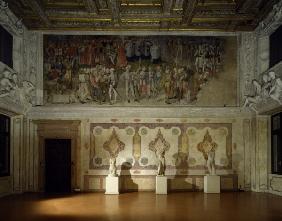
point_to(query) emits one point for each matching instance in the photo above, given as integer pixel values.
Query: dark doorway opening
(58, 165)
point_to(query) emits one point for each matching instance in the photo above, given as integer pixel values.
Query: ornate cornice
(272, 21)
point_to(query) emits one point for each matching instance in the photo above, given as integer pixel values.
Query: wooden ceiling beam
(91, 6)
(114, 5)
(167, 6)
(245, 6)
(222, 18)
(37, 7)
(189, 9)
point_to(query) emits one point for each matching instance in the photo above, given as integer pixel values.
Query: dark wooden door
(58, 165)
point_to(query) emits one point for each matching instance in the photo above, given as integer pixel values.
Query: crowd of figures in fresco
(119, 69)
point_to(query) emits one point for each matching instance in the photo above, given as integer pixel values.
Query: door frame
(59, 129)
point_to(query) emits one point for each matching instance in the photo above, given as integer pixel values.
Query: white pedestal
(112, 185)
(161, 185)
(212, 184)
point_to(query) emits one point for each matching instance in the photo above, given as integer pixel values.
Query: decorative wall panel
(140, 141)
(140, 71)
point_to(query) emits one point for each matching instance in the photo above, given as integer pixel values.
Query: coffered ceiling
(213, 15)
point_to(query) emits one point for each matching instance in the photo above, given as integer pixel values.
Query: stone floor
(142, 206)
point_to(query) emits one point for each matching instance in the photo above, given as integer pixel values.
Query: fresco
(135, 145)
(130, 70)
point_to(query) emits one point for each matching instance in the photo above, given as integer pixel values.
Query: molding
(62, 130)
(275, 184)
(142, 33)
(88, 111)
(10, 107)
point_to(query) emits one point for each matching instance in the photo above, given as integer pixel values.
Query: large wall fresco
(140, 71)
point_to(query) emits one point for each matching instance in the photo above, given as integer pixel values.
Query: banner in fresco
(139, 70)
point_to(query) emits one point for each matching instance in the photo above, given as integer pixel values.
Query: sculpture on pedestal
(211, 162)
(113, 167)
(161, 165)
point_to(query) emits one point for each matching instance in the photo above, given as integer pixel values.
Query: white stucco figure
(211, 162)
(161, 163)
(20, 93)
(255, 98)
(8, 83)
(25, 94)
(265, 87)
(113, 167)
(275, 91)
(3, 5)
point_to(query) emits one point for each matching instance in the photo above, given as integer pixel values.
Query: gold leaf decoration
(207, 145)
(114, 145)
(159, 144)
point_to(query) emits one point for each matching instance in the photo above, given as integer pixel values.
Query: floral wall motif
(137, 71)
(113, 145)
(180, 141)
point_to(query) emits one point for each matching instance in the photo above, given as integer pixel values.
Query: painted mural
(128, 70)
(135, 144)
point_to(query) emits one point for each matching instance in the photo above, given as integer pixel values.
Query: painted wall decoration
(140, 70)
(181, 142)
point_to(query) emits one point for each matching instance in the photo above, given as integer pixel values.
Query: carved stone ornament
(207, 145)
(272, 21)
(114, 145)
(9, 20)
(3, 5)
(159, 144)
(270, 88)
(13, 90)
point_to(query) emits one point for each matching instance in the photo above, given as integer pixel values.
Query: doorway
(57, 165)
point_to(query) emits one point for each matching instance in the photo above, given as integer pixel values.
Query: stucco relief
(264, 91)
(14, 88)
(247, 62)
(9, 20)
(272, 21)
